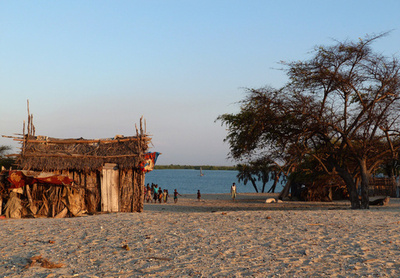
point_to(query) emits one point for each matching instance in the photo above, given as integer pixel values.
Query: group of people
(157, 194)
(233, 193)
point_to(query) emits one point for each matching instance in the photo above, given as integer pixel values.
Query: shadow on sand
(246, 202)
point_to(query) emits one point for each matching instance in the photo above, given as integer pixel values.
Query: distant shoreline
(194, 167)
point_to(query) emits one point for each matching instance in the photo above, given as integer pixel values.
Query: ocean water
(189, 181)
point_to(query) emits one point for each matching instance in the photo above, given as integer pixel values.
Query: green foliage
(247, 173)
(5, 162)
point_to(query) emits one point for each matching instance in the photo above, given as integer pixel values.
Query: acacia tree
(341, 108)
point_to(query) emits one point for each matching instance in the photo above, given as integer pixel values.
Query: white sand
(211, 238)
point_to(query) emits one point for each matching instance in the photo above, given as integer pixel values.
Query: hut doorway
(109, 188)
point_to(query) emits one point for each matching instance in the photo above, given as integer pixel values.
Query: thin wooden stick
(159, 258)
(141, 126)
(24, 139)
(29, 117)
(32, 127)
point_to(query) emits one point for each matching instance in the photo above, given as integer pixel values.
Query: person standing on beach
(160, 195)
(198, 195)
(176, 196)
(165, 195)
(148, 193)
(233, 191)
(155, 192)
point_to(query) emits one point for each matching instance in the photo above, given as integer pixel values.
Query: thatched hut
(97, 174)
(383, 186)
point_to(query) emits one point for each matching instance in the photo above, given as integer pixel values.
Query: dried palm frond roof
(42, 153)
(48, 154)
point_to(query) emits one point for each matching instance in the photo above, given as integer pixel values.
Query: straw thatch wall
(50, 154)
(82, 161)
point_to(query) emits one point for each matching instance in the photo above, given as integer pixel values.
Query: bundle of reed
(13, 207)
(53, 200)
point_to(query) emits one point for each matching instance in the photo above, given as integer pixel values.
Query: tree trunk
(254, 184)
(351, 187)
(364, 184)
(272, 189)
(285, 192)
(263, 187)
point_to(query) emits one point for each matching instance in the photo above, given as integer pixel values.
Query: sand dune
(211, 238)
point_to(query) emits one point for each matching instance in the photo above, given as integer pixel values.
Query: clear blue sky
(92, 68)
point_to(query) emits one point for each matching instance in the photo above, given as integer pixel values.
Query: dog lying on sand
(273, 200)
(380, 202)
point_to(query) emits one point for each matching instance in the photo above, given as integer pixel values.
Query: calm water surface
(189, 181)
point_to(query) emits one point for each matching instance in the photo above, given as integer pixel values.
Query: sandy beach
(211, 238)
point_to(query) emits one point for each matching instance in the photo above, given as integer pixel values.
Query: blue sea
(212, 182)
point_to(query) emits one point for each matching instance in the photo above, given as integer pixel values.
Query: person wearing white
(233, 191)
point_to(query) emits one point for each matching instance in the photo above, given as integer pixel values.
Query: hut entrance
(109, 188)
